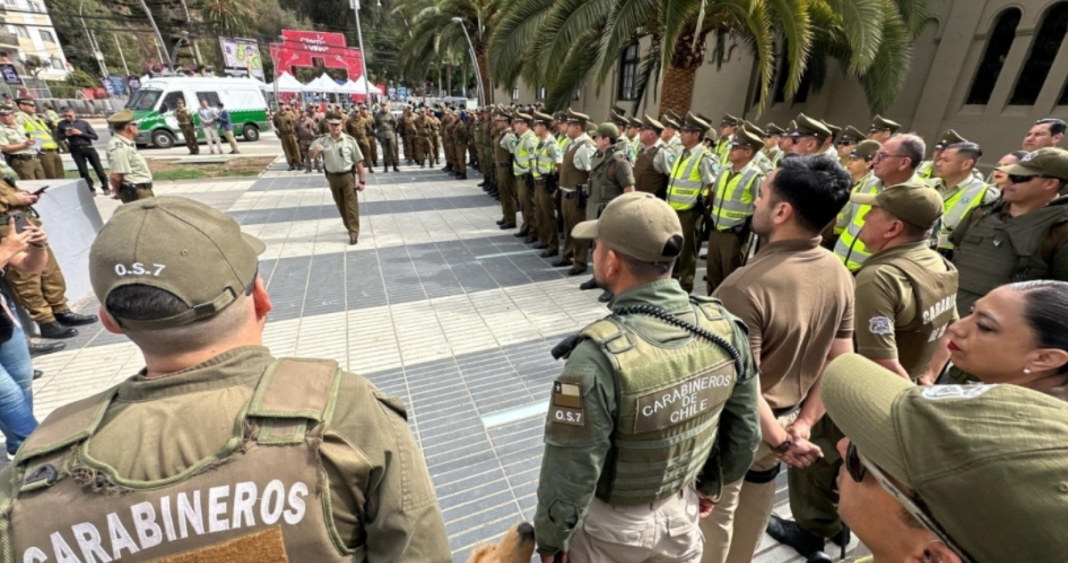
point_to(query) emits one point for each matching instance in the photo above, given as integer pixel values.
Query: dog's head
(516, 547)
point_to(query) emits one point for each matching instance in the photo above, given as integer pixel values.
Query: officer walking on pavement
(220, 448)
(640, 438)
(130, 177)
(343, 162)
(189, 131)
(18, 148)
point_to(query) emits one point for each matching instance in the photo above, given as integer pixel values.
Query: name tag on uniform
(566, 407)
(687, 399)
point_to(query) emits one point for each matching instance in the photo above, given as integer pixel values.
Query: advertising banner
(241, 57)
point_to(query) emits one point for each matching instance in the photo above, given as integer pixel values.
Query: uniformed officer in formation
(52, 119)
(130, 176)
(435, 138)
(772, 137)
(504, 142)
(18, 147)
(343, 164)
(421, 129)
(262, 455)
(847, 142)
(385, 127)
(187, 126)
(574, 185)
(730, 207)
(307, 132)
(654, 160)
(618, 456)
(882, 129)
(526, 143)
(285, 122)
(961, 187)
(692, 176)
(543, 170)
(808, 136)
(38, 130)
(356, 127)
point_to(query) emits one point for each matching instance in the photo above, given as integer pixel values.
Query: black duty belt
(539, 181)
(49, 150)
(328, 173)
(786, 411)
(571, 194)
(143, 186)
(23, 156)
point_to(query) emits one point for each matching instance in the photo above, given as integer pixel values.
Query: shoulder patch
(881, 325)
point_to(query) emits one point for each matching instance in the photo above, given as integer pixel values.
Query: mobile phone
(20, 221)
(41, 190)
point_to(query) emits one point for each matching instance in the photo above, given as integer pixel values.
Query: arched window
(998, 44)
(1043, 51)
(627, 89)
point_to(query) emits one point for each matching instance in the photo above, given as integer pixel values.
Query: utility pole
(99, 53)
(355, 5)
(159, 38)
(193, 42)
(92, 44)
(122, 56)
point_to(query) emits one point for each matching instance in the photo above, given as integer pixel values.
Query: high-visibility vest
(544, 164)
(847, 211)
(970, 194)
(849, 249)
(524, 153)
(686, 184)
(36, 129)
(733, 202)
(723, 151)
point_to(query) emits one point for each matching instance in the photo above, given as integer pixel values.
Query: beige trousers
(734, 529)
(661, 532)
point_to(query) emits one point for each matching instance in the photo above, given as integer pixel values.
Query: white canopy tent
(286, 83)
(371, 88)
(323, 84)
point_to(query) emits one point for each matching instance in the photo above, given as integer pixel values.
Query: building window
(998, 44)
(1043, 51)
(628, 74)
(36, 6)
(57, 64)
(578, 93)
(540, 93)
(19, 30)
(515, 92)
(47, 36)
(1063, 100)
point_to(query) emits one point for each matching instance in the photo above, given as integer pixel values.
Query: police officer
(772, 136)
(184, 116)
(288, 459)
(730, 207)
(286, 124)
(859, 166)
(130, 177)
(809, 136)
(307, 132)
(670, 135)
(926, 169)
(38, 130)
(343, 162)
(522, 162)
(421, 129)
(435, 137)
(543, 170)
(727, 126)
(846, 142)
(654, 160)
(692, 176)
(18, 147)
(574, 183)
(882, 129)
(355, 127)
(961, 187)
(504, 141)
(620, 456)
(385, 126)
(51, 117)
(611, 176)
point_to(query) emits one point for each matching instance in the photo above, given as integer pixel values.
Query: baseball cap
(1050, 161)
(913, 203)
(636, 224)
(606, 130)
(989, 462)
(179, 245)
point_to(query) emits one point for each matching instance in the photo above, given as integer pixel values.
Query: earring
(1027, 371)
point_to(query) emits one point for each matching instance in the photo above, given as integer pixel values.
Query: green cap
(1050, 161)
(334, 118)
(694, 123)
(619, 110)
(7, 109)
(636, 224)
(634, 122)
(24, 100)
(703, 117)
(989, 462)
(501, 115)
(591, 128)
(576, 117)
(913, 203)
(120, 118)
(772, 129)
(866, 149)
(879, 123)
(617, 117)
(672, 116)
(178, 245)
(560, 116)
(729, 119)
(606, 130)
(853, 134)
(808, 126)
(650, 123)
(752, 128)
(746, 138)
(834, 129)
(950, 137)
(542, 118)
(670, 123)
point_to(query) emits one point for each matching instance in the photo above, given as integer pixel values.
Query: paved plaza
(435, 305)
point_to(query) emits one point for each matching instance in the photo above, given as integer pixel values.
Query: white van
(153, 106)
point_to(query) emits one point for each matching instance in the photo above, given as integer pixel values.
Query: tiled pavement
(435, 305)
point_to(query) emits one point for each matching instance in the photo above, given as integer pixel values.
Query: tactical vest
(969, 196)
(263, 497)
(849, 248)
(686, 184)
(994, 251)
(544, 165)
(570, 176)
(603, 185)
(36, 129)
(524, 154)
(734, 197)
(500, 153)
(646, 177)
(669, 402)
(936, 299)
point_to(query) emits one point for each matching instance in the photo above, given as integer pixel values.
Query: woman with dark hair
(999, 179)
(1017, 334)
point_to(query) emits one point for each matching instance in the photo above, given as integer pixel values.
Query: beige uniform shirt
(125, 160)
(14, 135)
(340, 155)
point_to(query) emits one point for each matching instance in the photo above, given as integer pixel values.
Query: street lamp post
(474, 60)
(159, 37)
(355, 5)
(92, 44)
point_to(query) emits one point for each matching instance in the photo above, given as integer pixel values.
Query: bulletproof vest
(263, 497)
(669, 401)
(995, 251)
(936, 299)
(646, 177)
(569, 175)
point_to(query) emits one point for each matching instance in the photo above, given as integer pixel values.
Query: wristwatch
(784, 446)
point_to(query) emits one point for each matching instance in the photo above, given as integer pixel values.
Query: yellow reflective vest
(685, 185)
(734, 195)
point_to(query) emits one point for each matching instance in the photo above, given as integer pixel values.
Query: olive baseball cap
(989, 462)
(636, 224)
(1050, 162)
(606, 130)
(179, 245)
(913, 203)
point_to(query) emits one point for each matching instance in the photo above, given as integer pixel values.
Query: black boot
(605, 297)
(56, 330)
(463, 175)
(42, 348)
(790, 533)
(372, 169)
(74, 319)
(588, 284)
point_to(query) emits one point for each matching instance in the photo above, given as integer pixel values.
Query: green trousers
(813, 492)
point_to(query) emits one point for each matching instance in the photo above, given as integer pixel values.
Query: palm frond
(861, 23)
(511, 42)
(648, 72)
(561, 28)
(793, 22)
(627, 24)
(574, 69)
(887, 74)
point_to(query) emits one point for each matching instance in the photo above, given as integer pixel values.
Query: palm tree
(434, 36)
(563, 42)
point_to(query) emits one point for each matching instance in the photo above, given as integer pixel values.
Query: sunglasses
(794, 139)
(858, 467)
(845, 142)
(1018, 179)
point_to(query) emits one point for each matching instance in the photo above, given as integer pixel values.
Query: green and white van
(153, 106)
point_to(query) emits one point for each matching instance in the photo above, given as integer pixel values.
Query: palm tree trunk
(677, 92)
(448, 79)
(483, 70)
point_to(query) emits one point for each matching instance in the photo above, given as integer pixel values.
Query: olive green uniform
(42, 295)
(461, 136)
(52, 119)
(631, 431)
(236, 479)
(189, 130)
(435, 139)
(38, 130)
(506, 181)
(124, 159)
(286, 125)
(546, 158)
(372, 147)
(407, 133)
(422, 140)
(26, 162)
(611, 172)
(356, 127)
(705, 169)
(574, 182)
(385, 126)
(339, 159)
(522, 161)
(307, 131)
